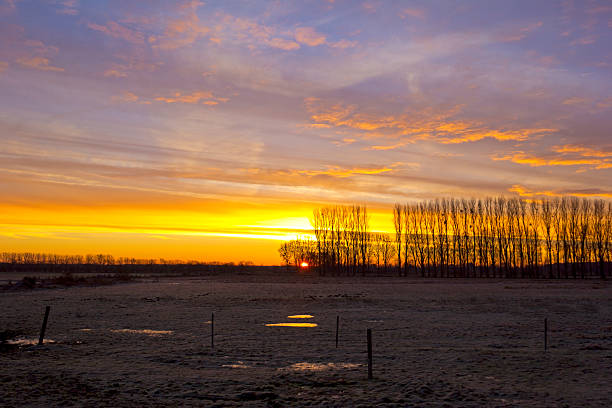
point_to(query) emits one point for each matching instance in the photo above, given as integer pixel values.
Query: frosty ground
(436, 343)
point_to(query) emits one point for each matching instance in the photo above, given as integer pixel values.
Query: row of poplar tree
(491, 237)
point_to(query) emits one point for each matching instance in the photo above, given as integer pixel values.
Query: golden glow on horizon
(224, 233)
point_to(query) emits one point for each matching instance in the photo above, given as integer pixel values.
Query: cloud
(589, 39)
(283, 44)
(126, 97)
(586, 157)
(527, 192)
(3, 66)
(182, 31)
(412, 12)
(203, 97)
(583, 151)
(438, 126)
(309, 36)
(114, 73)
(115, 30)
(389, 147)
(342, 44)
(521, 33)
(253, 34)
(40, 63)
(312, 38)
(130, 64)
(68, 7)
(575, 101)
(341, 172)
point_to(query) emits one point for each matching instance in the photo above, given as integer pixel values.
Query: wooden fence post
(337, 328)
(44, 325)
(369, 354)
(545, 334)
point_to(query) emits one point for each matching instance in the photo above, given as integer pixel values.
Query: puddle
(144, 331)
(237, 364)
(86, 330)
(300, 316)
(292, 325)
(28, 341)
(305, 366)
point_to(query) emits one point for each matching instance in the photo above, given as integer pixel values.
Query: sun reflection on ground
(292, 324)
(304, 316)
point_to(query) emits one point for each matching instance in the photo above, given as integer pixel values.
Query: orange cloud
(3, 66)
(203, 97)
(472, 134)
(40, 63)
(115, 30)
(182, 31)
(526, 192)
(424, 125)
(582, 151)
(389, 147)
(341, 172)
(283, 44)
(309, 36)
(535, 161)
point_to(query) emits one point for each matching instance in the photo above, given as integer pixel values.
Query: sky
(210, 130)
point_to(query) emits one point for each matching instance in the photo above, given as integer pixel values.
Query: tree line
(105, 263)
(565, 237)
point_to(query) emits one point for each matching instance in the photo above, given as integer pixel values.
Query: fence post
(337, 328)
(44, 325)
(369, 354)
(545, 334)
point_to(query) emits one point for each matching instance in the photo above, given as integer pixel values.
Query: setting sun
(304, 264)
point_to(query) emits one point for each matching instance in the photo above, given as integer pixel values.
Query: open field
(436, 342)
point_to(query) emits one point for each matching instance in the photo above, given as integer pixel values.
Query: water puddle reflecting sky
(144, 331)
(297, 316)
(28, 341)
(305, 366)
(237, 364)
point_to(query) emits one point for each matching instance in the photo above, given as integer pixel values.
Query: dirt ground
(452, 343)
